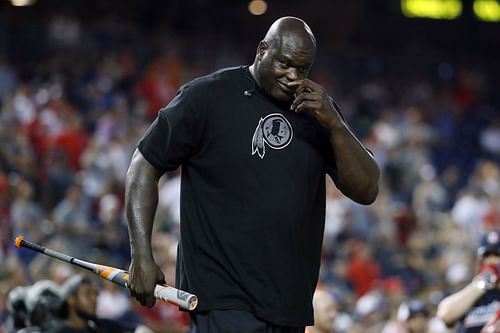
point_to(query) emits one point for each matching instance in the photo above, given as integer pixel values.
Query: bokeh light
(22, 3)
(257, 7)
(487, 10)
(432, 9)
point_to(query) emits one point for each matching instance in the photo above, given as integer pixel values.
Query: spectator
(16, 308)
(474, 305)
(113, 75)
(412, 317)
(325, 312)
(78, 310)
(72, 219)
(43, 300)
(362, 270)
(370, 314)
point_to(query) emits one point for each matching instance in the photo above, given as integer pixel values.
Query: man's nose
(293, 74)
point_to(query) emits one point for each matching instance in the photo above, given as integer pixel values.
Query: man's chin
(85, 315)
(281, 96)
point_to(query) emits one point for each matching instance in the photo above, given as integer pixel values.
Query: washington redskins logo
(274, 130)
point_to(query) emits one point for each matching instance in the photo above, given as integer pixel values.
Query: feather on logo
(273, 130)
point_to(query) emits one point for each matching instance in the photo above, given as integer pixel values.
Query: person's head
(43, 302)
(286, 54)
(414, 316)
(80, 297)
(370, 308)
(488, 253)
(16, 306)
(489, 246)
(325, 311)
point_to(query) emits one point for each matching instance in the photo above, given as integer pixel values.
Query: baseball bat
(165, 293)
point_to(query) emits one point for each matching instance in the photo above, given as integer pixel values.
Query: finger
(294, 84)
(308, 105)
(161, 278)
(307, 83)
(303, 97)
(131, 290)
(146, 299)
(304, 88)
(308, 86)
(130, 285)
(149, 301)
(301, 89)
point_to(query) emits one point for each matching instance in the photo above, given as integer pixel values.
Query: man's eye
(284, 64)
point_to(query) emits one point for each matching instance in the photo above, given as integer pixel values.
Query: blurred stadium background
(418, 81)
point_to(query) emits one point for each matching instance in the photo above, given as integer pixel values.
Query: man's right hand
(145, 274)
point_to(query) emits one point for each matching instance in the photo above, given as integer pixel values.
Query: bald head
(286, 54)
(290, 29)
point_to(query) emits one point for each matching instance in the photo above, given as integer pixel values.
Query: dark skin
(283, 61)
(281, 66)
(84, 300)
(141, 201)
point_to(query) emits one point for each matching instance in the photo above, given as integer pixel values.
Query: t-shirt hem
(265, 315)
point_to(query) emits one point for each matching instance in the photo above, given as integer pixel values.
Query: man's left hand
(313, 98)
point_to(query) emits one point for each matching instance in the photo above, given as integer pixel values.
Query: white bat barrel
(183, 299)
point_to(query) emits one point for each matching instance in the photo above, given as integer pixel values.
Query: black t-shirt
(252, 195)
(483, 310)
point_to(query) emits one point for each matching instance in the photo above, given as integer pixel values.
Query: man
(42, 302)
(478, 302)
(78, 310)
(252, 206)
(16, 308)
(415, 316)
(412, 317)
(325, 312)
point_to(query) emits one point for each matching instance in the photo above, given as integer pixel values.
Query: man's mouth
(285, 88)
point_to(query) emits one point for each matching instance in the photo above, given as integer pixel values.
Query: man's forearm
(453, 307)
(357, 173)
(141, 200)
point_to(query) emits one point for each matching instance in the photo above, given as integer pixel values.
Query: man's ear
(261, 49)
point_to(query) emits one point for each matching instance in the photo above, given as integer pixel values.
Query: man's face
(493, 260)
(284, 61)
(417, 324)
(325, 312)
(85, 299)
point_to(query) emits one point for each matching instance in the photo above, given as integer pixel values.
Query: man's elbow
(368, 187)
(445, 316)
(368, 197)
(364, 194)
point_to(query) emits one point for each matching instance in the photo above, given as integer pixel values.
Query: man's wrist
(336, 124)
(486, 280)
(142, 253)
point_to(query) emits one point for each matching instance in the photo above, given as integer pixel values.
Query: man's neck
(251, 69)
(74, 320)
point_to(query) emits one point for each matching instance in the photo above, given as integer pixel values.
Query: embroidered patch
(273, 130)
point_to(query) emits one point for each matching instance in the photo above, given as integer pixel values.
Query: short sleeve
(174, 135)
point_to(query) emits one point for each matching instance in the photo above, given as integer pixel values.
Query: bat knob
(18, 241)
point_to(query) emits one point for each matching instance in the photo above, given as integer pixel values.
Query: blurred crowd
(70, 120)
